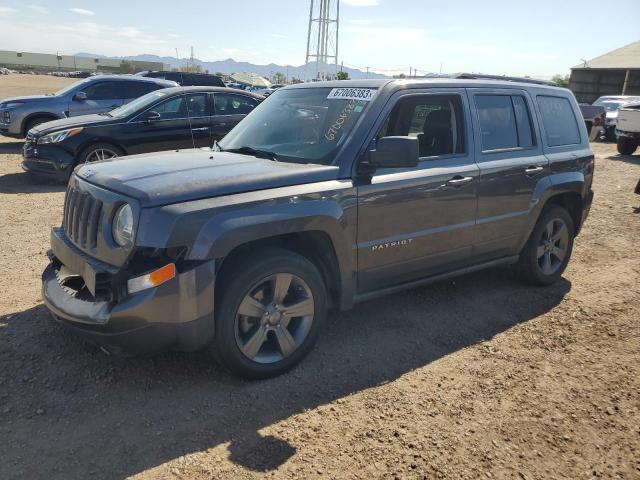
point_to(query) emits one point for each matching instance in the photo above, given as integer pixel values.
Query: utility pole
(367, 72)
(192, 62)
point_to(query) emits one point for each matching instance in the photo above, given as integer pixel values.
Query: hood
(72, 122)
(26, 99)
(180, 176)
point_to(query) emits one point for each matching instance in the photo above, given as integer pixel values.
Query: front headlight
(58, 136)
(122, 226)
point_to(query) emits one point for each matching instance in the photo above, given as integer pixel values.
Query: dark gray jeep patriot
(327, 194)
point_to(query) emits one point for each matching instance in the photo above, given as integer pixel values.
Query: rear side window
(505, 122)
(559, 121)
(137, 89)
(232, 104)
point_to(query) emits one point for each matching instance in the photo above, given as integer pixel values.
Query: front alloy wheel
(270, 305)
(274, 318)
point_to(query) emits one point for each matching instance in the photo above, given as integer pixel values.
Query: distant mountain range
(230, 66)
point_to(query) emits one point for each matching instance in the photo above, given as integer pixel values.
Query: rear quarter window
(560, 124)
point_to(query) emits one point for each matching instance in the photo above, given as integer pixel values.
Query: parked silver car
(100, 94)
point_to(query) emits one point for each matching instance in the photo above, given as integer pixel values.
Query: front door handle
(458, 181)
(532, 170)
(201, 129)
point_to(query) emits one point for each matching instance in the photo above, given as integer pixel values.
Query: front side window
(102, 91)
(435, 120)
(559, 121)
(137, 105)
(302, 125)
(230, 104)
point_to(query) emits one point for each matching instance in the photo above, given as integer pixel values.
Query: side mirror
(80, 97)
(151, 117)
(395, 152)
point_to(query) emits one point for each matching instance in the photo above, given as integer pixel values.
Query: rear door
(418, 222)
(183, 123)
(102, 96)
(509, 154)
(229, 109)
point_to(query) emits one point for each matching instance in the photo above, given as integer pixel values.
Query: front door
(418, 222)
(183, 121)
(511, 162)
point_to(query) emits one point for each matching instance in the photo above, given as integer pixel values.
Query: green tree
(560, 80)
(342, 75)
(279, 77)
(219, 74)
(127, 67)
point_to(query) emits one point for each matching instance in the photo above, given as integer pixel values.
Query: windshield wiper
(106, 114)
(253, 151)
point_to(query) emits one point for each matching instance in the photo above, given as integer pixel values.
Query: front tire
(269, 313)
(548, 250)
(626, 145)
(99, 151)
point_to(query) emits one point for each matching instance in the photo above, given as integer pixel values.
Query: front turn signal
(153, 279)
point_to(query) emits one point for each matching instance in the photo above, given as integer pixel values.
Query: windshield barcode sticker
(364, 94)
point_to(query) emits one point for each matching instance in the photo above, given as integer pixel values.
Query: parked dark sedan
(167, 119)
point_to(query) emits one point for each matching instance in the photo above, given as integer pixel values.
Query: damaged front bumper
(90, 298)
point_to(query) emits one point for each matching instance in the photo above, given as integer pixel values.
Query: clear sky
(538, 38)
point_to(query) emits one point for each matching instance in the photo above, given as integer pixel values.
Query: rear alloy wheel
(553, 246)
(548, 250)
(268, 315)
(626, 145)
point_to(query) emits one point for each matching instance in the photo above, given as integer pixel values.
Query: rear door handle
(533, 170)
(458, 181)
(201, 129)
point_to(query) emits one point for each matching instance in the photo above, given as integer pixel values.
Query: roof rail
(480, 76)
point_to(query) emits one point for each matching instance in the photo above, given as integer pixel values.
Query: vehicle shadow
(11, 147)
(633, 159)
(25, 183)
(69, 411)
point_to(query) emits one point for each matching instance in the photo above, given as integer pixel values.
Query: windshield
(69, 88)
(137, 104)
(305, 125)
(611, 105)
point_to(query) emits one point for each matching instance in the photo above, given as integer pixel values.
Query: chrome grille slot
(81, 218)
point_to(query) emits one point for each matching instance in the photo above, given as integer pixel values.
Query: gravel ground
(481, 377)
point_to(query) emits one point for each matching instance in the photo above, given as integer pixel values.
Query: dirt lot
(481, 377)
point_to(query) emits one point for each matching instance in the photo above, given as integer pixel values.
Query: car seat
(437, 136)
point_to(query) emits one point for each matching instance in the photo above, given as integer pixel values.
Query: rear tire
(548, 250)
(626, 145)
(259, 332)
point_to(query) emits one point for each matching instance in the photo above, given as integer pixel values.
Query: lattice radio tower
(322, 40)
